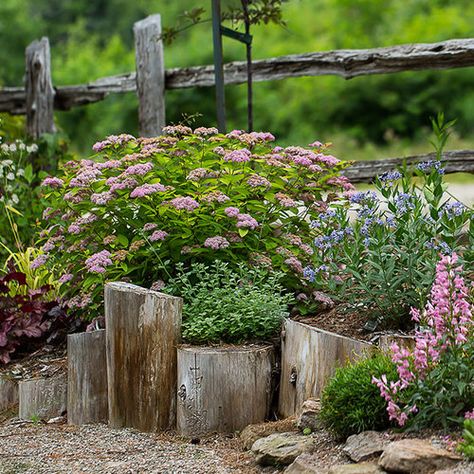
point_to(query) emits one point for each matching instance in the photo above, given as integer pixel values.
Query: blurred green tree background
(365, 117)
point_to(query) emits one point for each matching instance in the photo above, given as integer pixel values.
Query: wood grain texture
(309, 358)
(150, 76)
(223, 389)
(87, 378)
(8, 392)
(456, 161)
(42, 398)
(39, 89)
(143, 329)
(345, 63)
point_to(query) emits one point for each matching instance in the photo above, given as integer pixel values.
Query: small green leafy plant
(226, 305)
(350, 401)
(466, 447)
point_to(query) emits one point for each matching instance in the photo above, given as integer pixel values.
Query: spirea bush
(350, 401)
(434, 383)
(225, 305)
(378, 250)
(184, 197)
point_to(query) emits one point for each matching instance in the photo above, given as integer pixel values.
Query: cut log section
(87, 378)
(8, 393)
(223, 389)
(143, 329)
(309, 358)
(42, 398)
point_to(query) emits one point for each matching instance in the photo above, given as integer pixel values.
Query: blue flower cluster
(452, 209)
(323, 217)
(363, 197)
(404, 202)
(310, 273)
(325, 242)
(428, 166)
(389, 177)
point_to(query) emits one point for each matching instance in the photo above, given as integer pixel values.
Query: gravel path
(60, 448)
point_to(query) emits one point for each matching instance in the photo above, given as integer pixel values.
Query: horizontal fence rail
(346, 63)
(458, 161)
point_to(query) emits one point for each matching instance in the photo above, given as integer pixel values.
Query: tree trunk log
(143, 329)
(150, 75)
(223, 389)
(39, 89)
(43, 398)
(8, 393)
(309, 358)
(87, 378)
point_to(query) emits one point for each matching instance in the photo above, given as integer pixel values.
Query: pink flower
(86, 176)
(74, 229)
(39, 261)
(285, 200)
(158, 235)
(65, 278)
(294, 264)
(109, 164)
(117, 185)
(177, 130)
(237, 156)
(205, 132)
(232, 211)
(215, 196)
(102, 198)
(216, 243)
(147, 189)
(246, 221)
(185, 203)
(97, 262)
(52, 182)
(149, 226)
(140, 169)
(256, 180)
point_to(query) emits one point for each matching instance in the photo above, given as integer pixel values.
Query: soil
(46, 362)
(345, 323)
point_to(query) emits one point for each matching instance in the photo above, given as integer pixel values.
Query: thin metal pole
(218, 64)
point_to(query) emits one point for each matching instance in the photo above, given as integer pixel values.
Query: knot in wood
(182, 392)
(293, 376)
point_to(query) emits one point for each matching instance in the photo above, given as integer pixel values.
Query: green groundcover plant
(226, 305)
(434, 383)
(466, 447)
(186, 196)
(350, 401)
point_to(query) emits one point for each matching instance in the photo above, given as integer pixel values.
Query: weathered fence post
(39, 89)
(143, 329)
(87, 378)
(150, 75)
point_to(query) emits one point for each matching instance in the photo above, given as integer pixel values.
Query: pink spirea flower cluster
(39, 261)
(52, 182)
(237, 156)
(65, 278)
(149, 226)
(98, 262)
(216, 243)
(112, 140)
(246, 221)
(139, 169)
(232, 211)
(185, 203)
(147, 189)
(215, 196)
(102, 198)
(83, 179)
(256, 180)
(444, 326)
(158, 235)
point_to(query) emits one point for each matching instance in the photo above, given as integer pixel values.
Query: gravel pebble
(38, 448)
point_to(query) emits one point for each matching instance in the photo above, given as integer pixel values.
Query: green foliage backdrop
(93, 39)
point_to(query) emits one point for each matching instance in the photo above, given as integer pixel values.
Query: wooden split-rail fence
(39, 97)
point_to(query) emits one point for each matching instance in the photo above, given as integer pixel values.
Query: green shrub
(225, 305)
(466, 447)
(351, 403)
(184, 197)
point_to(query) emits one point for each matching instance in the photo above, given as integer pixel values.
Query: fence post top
(154, 19)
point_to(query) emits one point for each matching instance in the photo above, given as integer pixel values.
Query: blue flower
(309, 273)
(389, 177)
(428, 166)
(404, 203)
(363, 197)
(452, 209)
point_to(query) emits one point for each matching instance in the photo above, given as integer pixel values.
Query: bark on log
(143, 329)
(150, 75)
(223, 389)
(8, 393)
(87, 378)
(345, 63)
(43, 398)
(39, 89)
(309, 358)
(457, 161)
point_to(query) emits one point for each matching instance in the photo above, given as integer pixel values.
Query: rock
(362, 446)
(362, 468)
(309, 417)
(281, 448)
(416, 456)
(57, 419)
(303, 464)
(251, 433)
